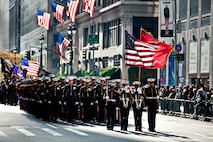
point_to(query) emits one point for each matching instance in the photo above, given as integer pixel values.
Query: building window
(55, 38)
(63, 67)
(183, 26)
(86, 34)
(206, 6)
(205, 21)
(193, 24)
(183, 9)
(105, 35)
(193, 8)
(116, 60)
(98, 2)
(55, 63)
(109, 2)
(111, 33)
(93, 29)
(119, 32)
(105, 62)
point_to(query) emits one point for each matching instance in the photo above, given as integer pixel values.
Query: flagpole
(139, 73)
(139, 68)
(124, 66)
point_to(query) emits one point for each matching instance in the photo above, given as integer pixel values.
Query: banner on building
(171, 69)
(193, 58)
(166, 18)
(205, 53)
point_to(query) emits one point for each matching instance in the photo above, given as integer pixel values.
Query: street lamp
(41, 40)
(70, 31)
(15, 52)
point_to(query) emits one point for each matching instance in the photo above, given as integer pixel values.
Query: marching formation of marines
(89, 100)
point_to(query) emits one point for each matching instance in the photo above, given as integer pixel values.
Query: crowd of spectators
(186, 92)
(201, 95)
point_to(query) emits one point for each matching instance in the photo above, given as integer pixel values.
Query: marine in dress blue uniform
(125, 104)
(86, 99)
(70, 95)
(101, 92)
(55, 97)
(111, 98)
(150, 92)
(138, 103)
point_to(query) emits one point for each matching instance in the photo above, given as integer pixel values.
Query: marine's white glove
(107, 97)
(139, 91)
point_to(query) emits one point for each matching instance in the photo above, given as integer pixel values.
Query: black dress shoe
(152, 130)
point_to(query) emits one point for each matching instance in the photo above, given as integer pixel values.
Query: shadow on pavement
(153, 134)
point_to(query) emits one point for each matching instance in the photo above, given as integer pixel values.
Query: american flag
(89, 6)
(43, 19)
(72, 9)
(62, 44)
(139, 53)
(32, 67)
(58, 12)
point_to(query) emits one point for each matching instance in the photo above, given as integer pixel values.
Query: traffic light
(27, 55)
(84, 54)
(33, 54)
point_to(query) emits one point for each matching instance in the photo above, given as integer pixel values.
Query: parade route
(18, 126)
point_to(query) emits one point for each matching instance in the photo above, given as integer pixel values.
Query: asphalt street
(18, 126)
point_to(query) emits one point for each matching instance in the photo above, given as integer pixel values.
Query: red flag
(163, 51)
(89, 6)
(162, 54)
(147, 37)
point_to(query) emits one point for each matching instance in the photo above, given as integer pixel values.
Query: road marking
(19, 127)
(76, 132)
(54, 133)
(25, 132)
(2, 134)
(203, 136)
(51, 126)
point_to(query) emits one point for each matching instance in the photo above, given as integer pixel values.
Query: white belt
(151, 97)
(112, 100)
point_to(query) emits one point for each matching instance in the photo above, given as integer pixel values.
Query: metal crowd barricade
(183, 108)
